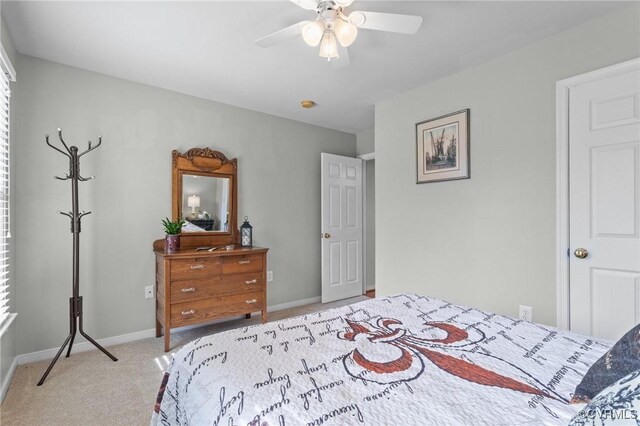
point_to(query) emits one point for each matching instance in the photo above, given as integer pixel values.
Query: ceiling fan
(335, 30)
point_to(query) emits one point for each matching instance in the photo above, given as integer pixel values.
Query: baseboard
(138, 335)
(294, 304)
(7, 380)
(86, 346)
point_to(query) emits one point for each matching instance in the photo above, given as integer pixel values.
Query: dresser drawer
(216, 307)
(243, 282)
(184, 290)
(195, 268)
(240, 264)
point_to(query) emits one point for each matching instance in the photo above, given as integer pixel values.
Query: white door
(341, 227)
(604, 197)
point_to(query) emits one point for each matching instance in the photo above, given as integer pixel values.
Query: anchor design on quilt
(387, 353)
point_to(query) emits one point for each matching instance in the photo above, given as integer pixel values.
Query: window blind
(5, 94)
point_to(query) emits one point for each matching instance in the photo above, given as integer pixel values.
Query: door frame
(562, 178)
(365, 157)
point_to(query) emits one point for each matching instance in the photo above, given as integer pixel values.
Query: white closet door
(604, 134)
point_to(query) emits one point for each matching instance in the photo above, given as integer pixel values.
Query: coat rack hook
(62, 140)
(91, 148)
(46, 138)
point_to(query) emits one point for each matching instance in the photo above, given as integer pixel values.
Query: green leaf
(172, 227)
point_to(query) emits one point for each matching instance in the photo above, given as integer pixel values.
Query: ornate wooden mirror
(205, 195)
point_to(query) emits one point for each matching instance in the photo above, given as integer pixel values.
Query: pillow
(618, 404)
(622, 359)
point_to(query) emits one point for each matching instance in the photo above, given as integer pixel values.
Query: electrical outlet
(148, 292)
(269, 276)
(526, 313)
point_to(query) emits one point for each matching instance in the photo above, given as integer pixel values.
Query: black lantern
(246, 233)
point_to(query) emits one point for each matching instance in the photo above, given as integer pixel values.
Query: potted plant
(172, 229)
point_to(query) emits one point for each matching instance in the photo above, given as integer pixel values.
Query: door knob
(327, 235)
(581, 253)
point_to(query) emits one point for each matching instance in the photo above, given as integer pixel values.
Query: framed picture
(442, 148)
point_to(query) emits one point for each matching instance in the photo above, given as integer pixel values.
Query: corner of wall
(7, 41)
(8, 355)
(365, 142)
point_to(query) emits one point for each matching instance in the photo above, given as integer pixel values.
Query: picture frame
(443, 148)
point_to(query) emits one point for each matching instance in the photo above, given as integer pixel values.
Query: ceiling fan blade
(282, 35)
(306, 4)
(343, 60)
(404, 24)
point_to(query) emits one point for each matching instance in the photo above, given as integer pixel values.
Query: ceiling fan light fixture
(357, 18)
(346, 32)
(328, 46)
(313, 32)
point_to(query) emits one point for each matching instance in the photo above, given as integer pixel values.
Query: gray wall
(8, 340)
(279, 189)
(365, 142)
(488, 242)
(370, 229)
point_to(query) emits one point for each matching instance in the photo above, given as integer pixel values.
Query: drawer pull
(251, 281)
(194, 267)
(191, 312)
(244, 262)
(249, 302)
(189, 290)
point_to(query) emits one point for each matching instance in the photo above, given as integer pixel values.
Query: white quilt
(400, 360)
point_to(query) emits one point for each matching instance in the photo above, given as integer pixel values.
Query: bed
(399, 360)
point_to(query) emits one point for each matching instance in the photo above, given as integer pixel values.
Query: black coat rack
(75, 302)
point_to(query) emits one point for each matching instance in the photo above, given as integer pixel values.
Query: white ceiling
(206, 48)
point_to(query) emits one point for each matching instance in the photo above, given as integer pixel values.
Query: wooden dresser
(194, 287)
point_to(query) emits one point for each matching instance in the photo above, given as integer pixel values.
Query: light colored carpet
(90, 389)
